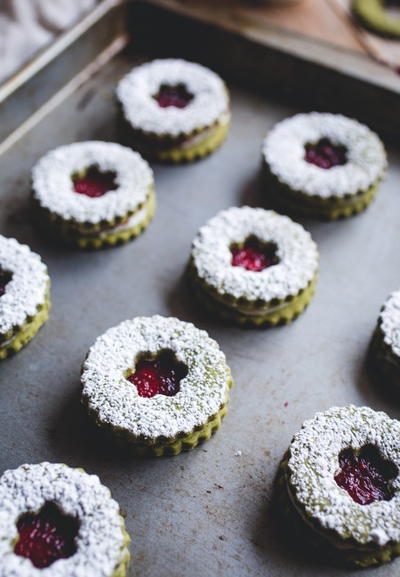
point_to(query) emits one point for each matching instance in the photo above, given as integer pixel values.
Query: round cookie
(253, 266)
(340, 485)
(93, 194)
(61, 522)
(24, 295)
(375, 15)
(322, 165)
(174, 110)
(385, 345)
(159, 383)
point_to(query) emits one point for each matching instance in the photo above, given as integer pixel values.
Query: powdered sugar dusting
(100, 541)
(284, 152)
(53, 186)
(28, 287)
(297, 252)
(390, 322)
(116, 401)
(136, 90)
(313, 463)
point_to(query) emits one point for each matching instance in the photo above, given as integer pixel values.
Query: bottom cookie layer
(297, 203)
(339, 552)
(123, 233)
(26, 332)
(164, 447)
(118, 235)
(187, 443)
(122, 567)
(203, 145)
(278, 316)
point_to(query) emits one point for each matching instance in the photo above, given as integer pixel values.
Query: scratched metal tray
(207, 512)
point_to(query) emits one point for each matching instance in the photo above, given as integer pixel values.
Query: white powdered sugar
(297, 253)
(27, 288)
(390, 322)
(284, 150)
(115, 400)
(137, 89)
(53, 186)
(100, 540)
(314, 462)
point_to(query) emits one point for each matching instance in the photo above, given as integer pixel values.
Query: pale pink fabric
(28, 25)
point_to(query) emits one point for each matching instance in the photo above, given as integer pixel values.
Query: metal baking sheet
(207, 512)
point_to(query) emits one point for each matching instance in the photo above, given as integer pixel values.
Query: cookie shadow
(20, 222)
(377, 390)
(74, 433)
(283, 543)
(182, 303)
(253, 192)
(277, 542)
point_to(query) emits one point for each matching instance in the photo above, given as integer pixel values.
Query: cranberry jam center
(365, 475)
(254, 255)
(325, 154)
(46, 536)
(5, 278)
(94, 183)
(158, 376)
(173, 95)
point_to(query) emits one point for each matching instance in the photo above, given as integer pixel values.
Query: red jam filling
(46, 536)
(325, 154)
(159, 376)
(365, 475)
(177, 96)
(94, 183)
(5, 278)
(254, 255)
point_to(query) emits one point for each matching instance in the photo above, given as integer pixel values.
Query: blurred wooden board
(328, 21)
(239, 39)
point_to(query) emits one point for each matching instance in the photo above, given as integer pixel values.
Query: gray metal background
(206, 512)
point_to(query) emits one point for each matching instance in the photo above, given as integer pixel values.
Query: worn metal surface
(206, 512)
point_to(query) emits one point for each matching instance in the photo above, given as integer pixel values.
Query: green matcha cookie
(159, 384)
(93, 194)
(173, 110)
(340, 487)
(324, 166)
(253, 267)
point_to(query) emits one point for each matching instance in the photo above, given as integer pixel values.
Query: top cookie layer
(297, 253)
(116, 401)
(53, 186)
(284, 152)
(136, 93)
